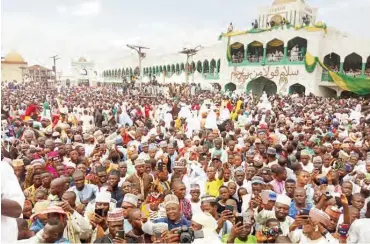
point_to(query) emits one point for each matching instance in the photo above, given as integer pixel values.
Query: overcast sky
(100, 29)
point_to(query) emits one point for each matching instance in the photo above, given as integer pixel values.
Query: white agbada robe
(211, 120)
(224, 115)
(193, 125)
(167, 120)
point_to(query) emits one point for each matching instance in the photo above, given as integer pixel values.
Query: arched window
(199, 67)
(218, 65)
(177, 69)
(275, 50)
(130, 71)
(182, 67)
(212, 66)
(156, 69)
(123, 72)
(165, 69)
(150, 70)
(352, 65)
(255, 52)
(206, 67)
(127, 71)
(367, 67)
(119, 73)
(160, 69)
(115, 73)
(237, 52)
(297, 48)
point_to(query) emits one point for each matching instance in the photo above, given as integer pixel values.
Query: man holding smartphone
(115, 225)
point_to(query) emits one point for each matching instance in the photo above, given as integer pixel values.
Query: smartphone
(230, 208)
(160, 166)
(304, 212)
(239, 219)
(99, 212)
(120, 234)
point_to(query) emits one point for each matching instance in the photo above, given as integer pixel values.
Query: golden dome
(14, 57)
(278, 2)
(82, 60)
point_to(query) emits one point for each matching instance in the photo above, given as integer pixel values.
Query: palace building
(286, 50)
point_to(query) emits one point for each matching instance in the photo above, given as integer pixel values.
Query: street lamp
(190, 52)
(142, 55)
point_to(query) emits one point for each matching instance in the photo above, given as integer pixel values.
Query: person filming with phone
(115, 228)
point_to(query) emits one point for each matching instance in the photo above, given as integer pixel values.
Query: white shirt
(358, 232)
(309, 167)
(10, 189)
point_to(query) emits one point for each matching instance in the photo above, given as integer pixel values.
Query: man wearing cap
(129, 202)
(141, 180)
(305, 161)
(115, 224)
(257, 183)
(280, 213)
(174, 218)
(271, 157)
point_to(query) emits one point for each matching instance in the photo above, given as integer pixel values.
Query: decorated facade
(287, 50)
(81, 72)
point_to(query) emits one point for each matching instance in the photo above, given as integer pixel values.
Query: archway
(332, 61)
(216, 86)
(297, 48)
(237, 52)
(173, 69)
(177, 69)
(199, 67)
(230, 87)
(213, 66)
(367, 67)
(352, 65)
(255, 52)
(277, 19)
(206, 67)
(192, 67)
(168, 69)
(275, 50)
(297, 88)
(137, 71)
(260, 85)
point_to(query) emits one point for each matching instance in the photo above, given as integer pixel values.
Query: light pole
(142, 55)
(55, 58)
(190, 52)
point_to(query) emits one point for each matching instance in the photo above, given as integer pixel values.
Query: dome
(278, 2)
(82, 60)
(14, 57)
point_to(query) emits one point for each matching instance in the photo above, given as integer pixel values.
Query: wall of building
(10, 72)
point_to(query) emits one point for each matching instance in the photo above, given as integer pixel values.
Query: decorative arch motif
(123, 72)
(168, 69)
(182, 67)
(218, 66)
(192, 67)
(127, 71)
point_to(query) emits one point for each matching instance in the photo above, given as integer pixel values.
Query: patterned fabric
(293, 211)
(185, 207)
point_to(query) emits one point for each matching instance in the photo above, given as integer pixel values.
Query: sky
(100, 29)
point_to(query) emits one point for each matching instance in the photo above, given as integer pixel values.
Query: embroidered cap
(131, 198)
(115, 215)
(171, 199)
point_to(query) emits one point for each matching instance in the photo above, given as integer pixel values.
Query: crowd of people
(94, 165)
